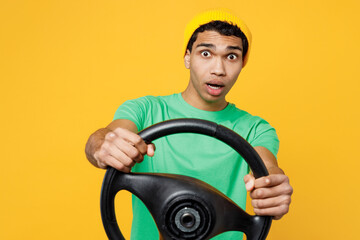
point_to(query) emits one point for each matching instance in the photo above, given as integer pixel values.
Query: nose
(218, 67)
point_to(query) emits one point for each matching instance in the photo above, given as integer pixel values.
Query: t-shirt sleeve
(133, 110)
(265, 136)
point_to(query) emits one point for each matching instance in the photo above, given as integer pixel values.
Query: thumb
(150, 150)
(249, 182)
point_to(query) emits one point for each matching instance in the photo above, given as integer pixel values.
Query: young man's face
(215, 63)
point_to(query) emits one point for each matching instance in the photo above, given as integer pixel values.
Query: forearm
(269, 160)
(275, 170)
(94, 143)
(271, 195)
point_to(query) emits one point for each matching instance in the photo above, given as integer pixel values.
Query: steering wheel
(184, 207)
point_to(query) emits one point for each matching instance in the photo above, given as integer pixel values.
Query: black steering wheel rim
(175, 126)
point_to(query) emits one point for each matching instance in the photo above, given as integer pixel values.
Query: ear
(187, 59)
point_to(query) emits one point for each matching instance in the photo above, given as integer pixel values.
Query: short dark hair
(223, 28)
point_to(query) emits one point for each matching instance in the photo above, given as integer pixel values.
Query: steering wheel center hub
(188, 218)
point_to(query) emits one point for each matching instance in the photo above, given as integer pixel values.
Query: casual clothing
(195, 155)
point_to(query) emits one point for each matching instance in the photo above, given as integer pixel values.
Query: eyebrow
(209, 45)
(234, 48)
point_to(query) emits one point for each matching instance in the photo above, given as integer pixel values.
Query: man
(217, 46)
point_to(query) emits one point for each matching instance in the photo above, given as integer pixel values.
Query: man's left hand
(271, 195)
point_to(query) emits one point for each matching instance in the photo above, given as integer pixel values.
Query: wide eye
(232, 56)
(205, 53)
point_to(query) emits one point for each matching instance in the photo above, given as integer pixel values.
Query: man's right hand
(121, 149)
(117, 146)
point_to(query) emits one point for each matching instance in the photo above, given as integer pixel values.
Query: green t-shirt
(195, 155)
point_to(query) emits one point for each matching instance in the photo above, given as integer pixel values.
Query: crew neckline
(193, 109)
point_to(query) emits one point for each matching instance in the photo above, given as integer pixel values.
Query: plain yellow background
(66, 65)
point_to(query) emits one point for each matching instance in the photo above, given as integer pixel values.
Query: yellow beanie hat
(217, 15)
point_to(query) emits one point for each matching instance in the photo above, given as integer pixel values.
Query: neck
(193, 98)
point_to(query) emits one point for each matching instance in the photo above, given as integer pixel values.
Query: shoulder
(243, 117)
(249, 126)
(153, 99)
(148, 103)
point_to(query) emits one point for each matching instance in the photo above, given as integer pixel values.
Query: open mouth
(214, 86)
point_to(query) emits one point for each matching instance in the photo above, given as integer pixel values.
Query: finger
(271, 180)
(277, 212)
(101, 155)
(113, 162)
(150, 150)
(124, 159)
(132, 138)
(110, 136)
(268, 192)
(271, 202)
(110, 149)
(129, 150)
(124, 146)
(249, 182)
